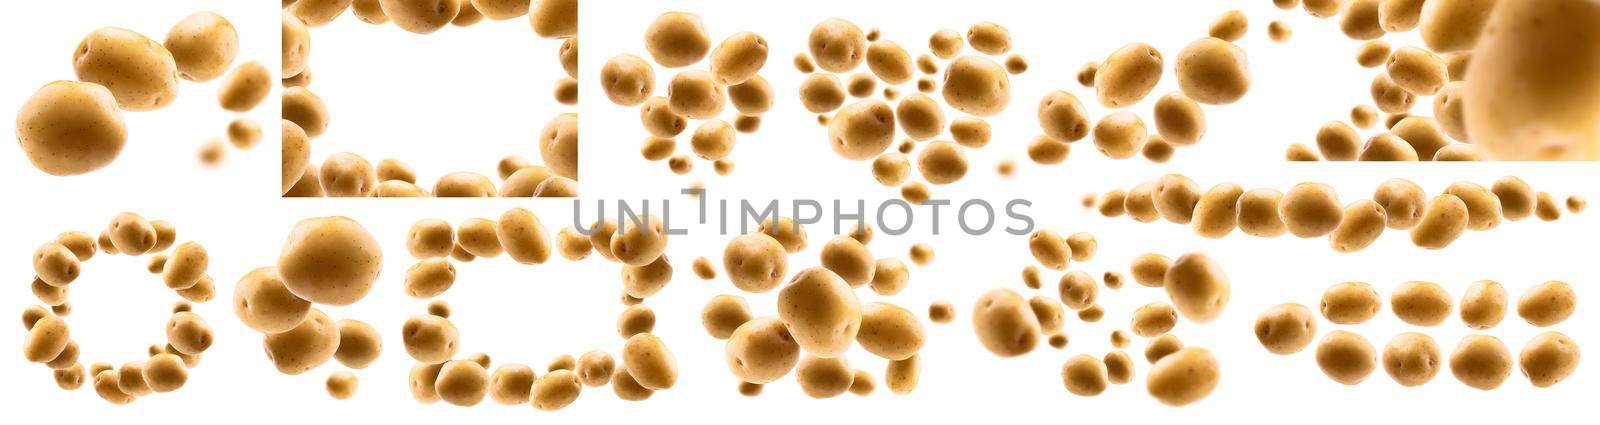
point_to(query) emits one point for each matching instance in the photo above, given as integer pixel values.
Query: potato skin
(1198, 287)
(1183, 377)
(1541, 61)
(203, 45)
(330, 260)
(69, 128)
(140, 73)
(821, 310)
(1005, 323)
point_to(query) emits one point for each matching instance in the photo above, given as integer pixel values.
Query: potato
(1154, 319)
(1286, 328)
(761, 350)
(131, 234)
(1481, 362)
(203, 45)
(1150, 269)
(70, 128)
(511, 384)
(738, 58)
(975, 133)
(55, 265)
(316, 13)
(1062, 117)
(1345, 357)
(555, 390)
(130, 379)
(1179, 120)
(1483, 207)
(643, 281)
(889, 62)
(849, 259)
(1350, 303)
(1338, 142)
(942, 162)
(1442, 222)
(1421, 303)
(1005, 324)
(1077, 290)
(821, 311)
(627, 80)
(1362, 223)
(309, 344)
(1084, 375)
(1050, 249)
(989, 38)
(430, 339)
(1549, 358)
(1049, 312)
(1127, 75)
(890, 331)
(1403, 203)
(1454, 25)
(1547, 304)
(724, 314)
(1543, 104)
(371, 12)
(755, 262)
(421, 16)
(941, 312)
(359, 343)
(296, 45)
(1483, 305)
(821, 93)
(1197, 286)
(752, 97)
(296, 154)
(188, 262)
(304, 108)
(946, 44)
(1175, 198)
(862, 130)
(422, 379)
(1417, 70)
(920, 117)
(47, 338)
(649, 362)
(1310, 210)
(977, 86)
(140, 73)
(342, 385)
(1389, 96)
(1230, 25)
(639, 240)
(635, 319)
(1216, 213)
(330, 260)
(837, 45)
(821, 377)
(462, 383)
(790, 234)
(264, 304)
(1183, 377)
(71, 378)
(1120, 135)
(47, 294)
(1213, 72)
(1258, 213)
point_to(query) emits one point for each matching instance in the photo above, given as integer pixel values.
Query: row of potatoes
(70, 128)
(346, 174)
(1413, 359)
(1532, 108)
(57, 264)
(678, 40)
(1310, 210)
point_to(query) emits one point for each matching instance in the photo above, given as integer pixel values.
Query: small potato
(263, 303)
(1549, 358)
(130, 379)
(304, 108)
(430, 238)
(971, 132)
(1412, 359)
(1213, 71)
(49, 295)
(1345, 357)
(1362, 223)
(203, 45)
(342, 385)
(106, 385)
(1127, 75)
(762, 350)
(1156, 319)
(296, 156)
(1483, 305)
(1547, 304)
(1047, 151)
(849, 259)
(890, 331)
(430, 339)
(1151, 269)
(1197, 286)
(1338, 142)
(1403, 203)
(187, 264)
(921, 254)
(1084, 375)
(946, 44)
(462, 383)
(821, 93)
(1350, 303)
(1050, 313)
(1310, 210)
(1179, 120)
(1423, 134)
(1321, 8)
(1077, 290)
(1083, 246)
(1389, 96)
(1216, 213)
(638, 241)
(713, 140)
(522, 236)
(244, 133)
(359, 344)
(920, 117)
(1286, 328)
(694, 94)
(1417, 71)
(1360, 19)
(308, 345)
(636, 319)
(1483, 207)
(1050, 249)
(555, 390)
(1421, 303)
(1258, 213)
(1005, 324)
(421, 16)
(330, 260)
(82, 245)
(371, 12)
(47, 338)
(1481, 362)
(422, 379)
(890, 62)
(862, 130)
(821, 377)
(1442, 222)
(511, 384)
(1183, 377)
(141, 74)
(558, 145)
(1175, 197)
(977, 86)
(55, 265)
(723, 315)
(1545, 207)
(69, 128)
(821, 311)
(755, 262)
(1138, 204)
(316, 13)
(752, 97)
(595, 368)
(164, 373)
(131, 234)
(989, 38)
(649, 362)
(1229, 26)
(1279, 31)
(837, 45)
(941, 312)
(1062, 117)
(738, 58)
(627, 80)
(71, 378)
(942, 162)
(790, 234)
(646, 280)
(862, 384)
(1087, 72)
(1120, 135)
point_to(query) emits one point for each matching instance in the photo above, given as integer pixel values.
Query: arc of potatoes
(348, 174)
(58, 264)
(1412, 359)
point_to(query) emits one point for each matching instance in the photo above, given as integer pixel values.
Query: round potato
(821, 311)
(1311, 209)
(70, 128)
(309, 344)
(1549, 358)
(1286, 328)
(1481, 362)
(330, 260)
(837, 45)
(1547, 304)
(1483, 305)
(1005, 323)
(977, 86)
(203, 46)
(1213, 71)
(1345, 357)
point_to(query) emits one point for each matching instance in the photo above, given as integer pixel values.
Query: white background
(530, 314)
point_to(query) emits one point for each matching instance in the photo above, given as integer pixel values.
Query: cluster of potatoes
(973, 84)
(679, 40)
(819, 317)
(59, 263)
(1210, 71)
(326, 260)
(69, 128)
(345, 174)
(432, 340)
(1310, 210)
(1537, 103)
(1196, 286)
(1411, 358)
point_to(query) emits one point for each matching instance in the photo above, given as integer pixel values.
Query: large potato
(140, 73)
(69, 128)
(330, 260)
(1534, 89)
